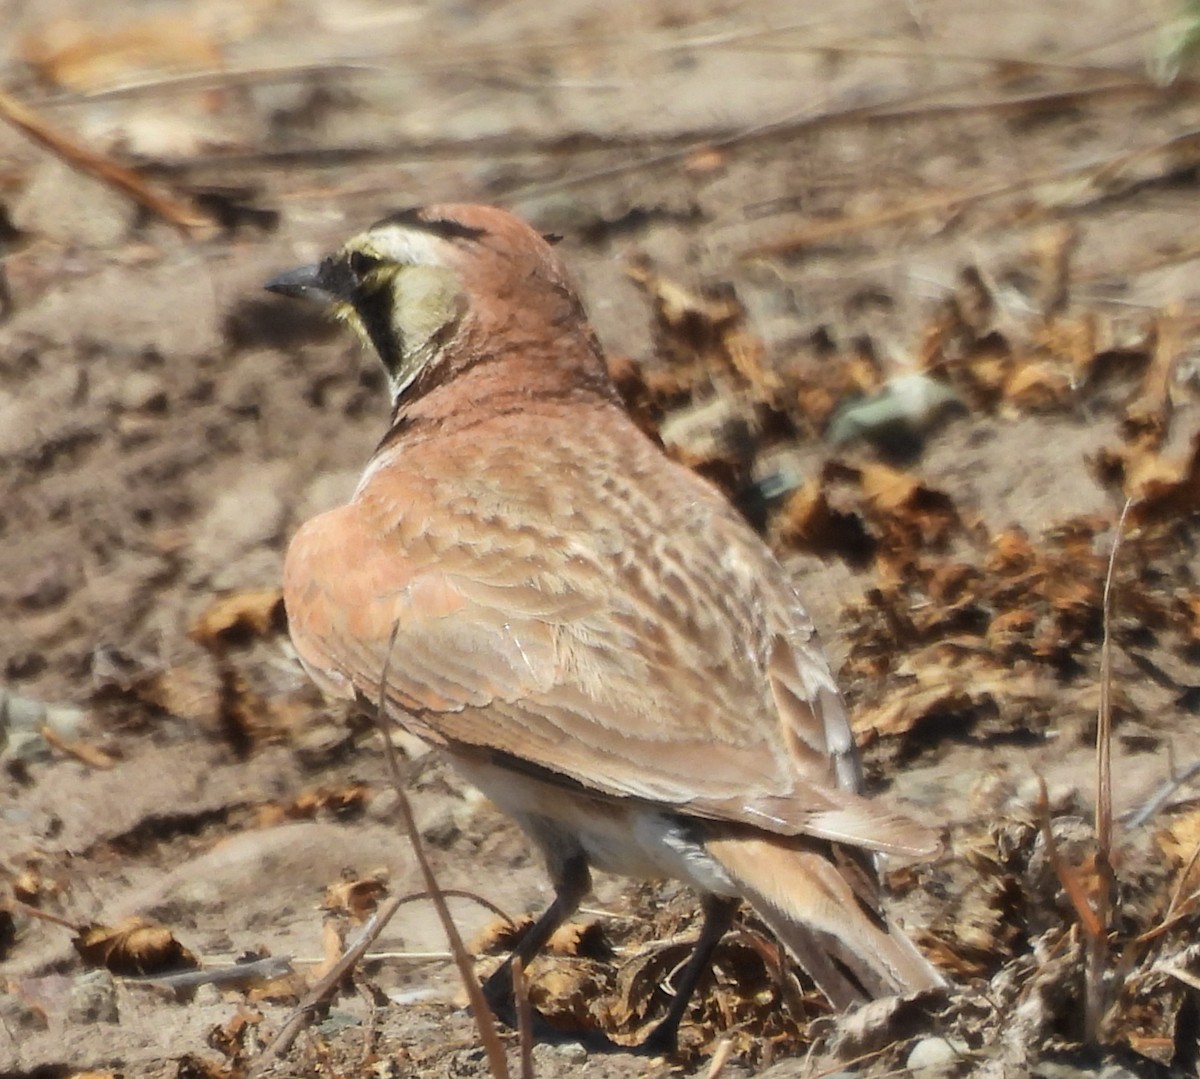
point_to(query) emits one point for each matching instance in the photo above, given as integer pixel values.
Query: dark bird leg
(572, 882)
(718, 916)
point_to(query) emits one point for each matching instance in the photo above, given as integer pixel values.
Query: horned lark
(589, 631)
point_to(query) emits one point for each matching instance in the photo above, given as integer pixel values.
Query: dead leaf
(1180, 838)
(1148, 415)
(939, 688)
(27, 885)
(185, 691)
(239, 617)
(333, 943)
(748, 356)
(1053, 248)
(134, 946)
(808, 522)
(250, 719)
(1163, 488)
(637, 983)
(568, 993)
(890, 492)
(287, 989)
(501, 936)
(1012, 553)
(31, 885)
(357, 896)
(580, 939)
(342, 803)
(231, 1038)
(1010, 629)
(681, 308)
(953, 583)
(1037, 386)
(1074, 342)
(193, 1066)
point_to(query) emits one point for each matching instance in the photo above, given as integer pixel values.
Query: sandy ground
(165, 425)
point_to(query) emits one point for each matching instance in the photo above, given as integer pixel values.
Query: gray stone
(93, 998)
(934, 1055)
(551, 1056)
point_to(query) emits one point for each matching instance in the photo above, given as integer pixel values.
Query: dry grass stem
(325, 988)
(45, 916)
(484, 1020)
(720, 1058)
(1096, 1004)
(172, 210)
(524, 1012)
(235, 974)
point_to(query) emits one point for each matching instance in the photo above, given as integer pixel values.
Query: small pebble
(206, 995)
(440, 830)
(907, 407)
(93, 998)
(935, 1053)
(21, 722)
(339, 1021)
(563, 1053)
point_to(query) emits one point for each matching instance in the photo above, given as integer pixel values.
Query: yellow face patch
(427, 299)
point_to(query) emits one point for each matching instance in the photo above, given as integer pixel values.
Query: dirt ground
(772, 213)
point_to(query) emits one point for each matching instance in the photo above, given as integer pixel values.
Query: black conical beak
(305, 283)
(330, 281)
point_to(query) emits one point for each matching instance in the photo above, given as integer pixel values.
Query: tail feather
(836, 932)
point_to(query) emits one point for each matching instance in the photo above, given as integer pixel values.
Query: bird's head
(437, 289)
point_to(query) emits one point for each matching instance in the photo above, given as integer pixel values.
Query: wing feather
(668, 664)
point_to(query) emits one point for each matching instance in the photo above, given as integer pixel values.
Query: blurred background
(913, 282)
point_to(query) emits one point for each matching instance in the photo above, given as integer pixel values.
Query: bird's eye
(362, 264)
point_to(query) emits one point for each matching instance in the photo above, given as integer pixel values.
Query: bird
(589, 631)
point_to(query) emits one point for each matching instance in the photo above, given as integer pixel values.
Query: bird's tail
(827, 914)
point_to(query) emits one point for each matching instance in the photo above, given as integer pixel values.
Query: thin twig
(326, 987)
(84, 752)
(1138, 817)
(462, 893)
(1184, 910)
(128, 182)
(235, 974)
(484, 1020)
(358, 950)
(524, 1016)
(1178, 907)
(720, 1058)
(45, 916)
(1185, 976)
